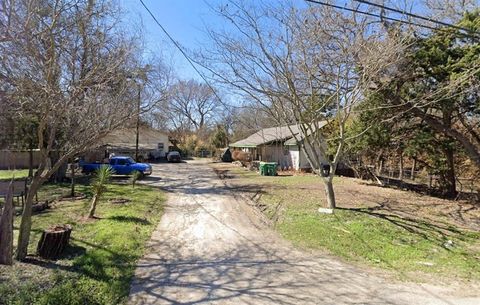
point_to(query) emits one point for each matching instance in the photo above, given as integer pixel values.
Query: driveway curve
(211, 248)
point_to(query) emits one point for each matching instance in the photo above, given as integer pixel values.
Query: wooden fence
(10, 159)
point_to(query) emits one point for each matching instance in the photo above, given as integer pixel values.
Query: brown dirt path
(211, 248)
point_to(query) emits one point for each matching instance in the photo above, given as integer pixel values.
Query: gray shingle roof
(293, 141)
(272, 134)
(125, 138)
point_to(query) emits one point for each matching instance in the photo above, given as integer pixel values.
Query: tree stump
(54, 241)
(40, 206)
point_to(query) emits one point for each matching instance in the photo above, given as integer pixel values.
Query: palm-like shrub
(99, 185)
(134, 177)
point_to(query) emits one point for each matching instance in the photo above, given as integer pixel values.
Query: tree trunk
(329, 192)
(450, 182)
(72, 180)
(400, 174)
(6, 229)
(380, 166)
(54, 241)
(26, 222)
(61, 172)
(470, 148)
(30, 162)
(91, 213)
(414, 165)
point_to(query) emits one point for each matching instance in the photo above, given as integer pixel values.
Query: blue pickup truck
(121, 166)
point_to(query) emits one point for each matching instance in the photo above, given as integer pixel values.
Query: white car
(174, 156)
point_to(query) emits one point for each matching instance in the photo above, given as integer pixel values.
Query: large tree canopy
(430, 107)
(69, 67)
(302, 66)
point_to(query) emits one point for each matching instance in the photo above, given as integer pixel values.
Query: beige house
(276, 144)
(152, 144)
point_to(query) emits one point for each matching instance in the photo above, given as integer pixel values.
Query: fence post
(6, 229)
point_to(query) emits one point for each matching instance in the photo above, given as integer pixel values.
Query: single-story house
(277, 144)
(152, 144)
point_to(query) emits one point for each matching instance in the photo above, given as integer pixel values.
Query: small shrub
(99, 186)
(241, 156)
(134, 177)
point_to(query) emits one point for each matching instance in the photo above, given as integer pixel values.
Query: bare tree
(247, 120)
(450, 10)
(194, 102)
(156, 92)
(305, 67)
(67, 64)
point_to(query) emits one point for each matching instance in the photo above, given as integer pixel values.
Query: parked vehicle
(174, 156)
(121, 166)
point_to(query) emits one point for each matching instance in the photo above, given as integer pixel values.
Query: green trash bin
(268, 168)
(262, 168)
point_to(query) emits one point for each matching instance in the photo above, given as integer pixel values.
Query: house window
(160, 146)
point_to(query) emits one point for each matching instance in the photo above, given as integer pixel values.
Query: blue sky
(184, 19)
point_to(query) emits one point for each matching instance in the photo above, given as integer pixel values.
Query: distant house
(276, 144)
(152, 144)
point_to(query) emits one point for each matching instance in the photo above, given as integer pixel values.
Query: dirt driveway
(211, 248)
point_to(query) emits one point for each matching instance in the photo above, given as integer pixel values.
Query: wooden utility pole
(138, 123)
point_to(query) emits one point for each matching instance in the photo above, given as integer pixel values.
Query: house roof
(273, 134)
(125, 138)
(292, 141)
(267, 135)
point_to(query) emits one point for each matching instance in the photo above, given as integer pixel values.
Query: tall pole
(138, 124)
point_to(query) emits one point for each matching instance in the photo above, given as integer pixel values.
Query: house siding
(276, 153)
(295, 156)
(299, 158)
(151, 143)
(274, 145)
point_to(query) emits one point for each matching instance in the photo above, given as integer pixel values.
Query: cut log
(6, 229)
(54, 241)
(40, 206)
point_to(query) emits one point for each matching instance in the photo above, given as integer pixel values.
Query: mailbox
(325, 169)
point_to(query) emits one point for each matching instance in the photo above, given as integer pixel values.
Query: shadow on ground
(252, 274)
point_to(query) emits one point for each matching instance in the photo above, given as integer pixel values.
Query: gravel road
(211, 248)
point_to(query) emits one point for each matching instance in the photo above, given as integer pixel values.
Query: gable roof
(125, 138)
(293, 141)
(267, 135)
(273, 134)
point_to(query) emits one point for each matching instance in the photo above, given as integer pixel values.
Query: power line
(179, 47)
(384, 17)
(403, 12)
(369, 14)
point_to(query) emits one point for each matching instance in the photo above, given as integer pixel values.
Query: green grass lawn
(101, 258)
(9, 174)
(368, 236)
(391, 242)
